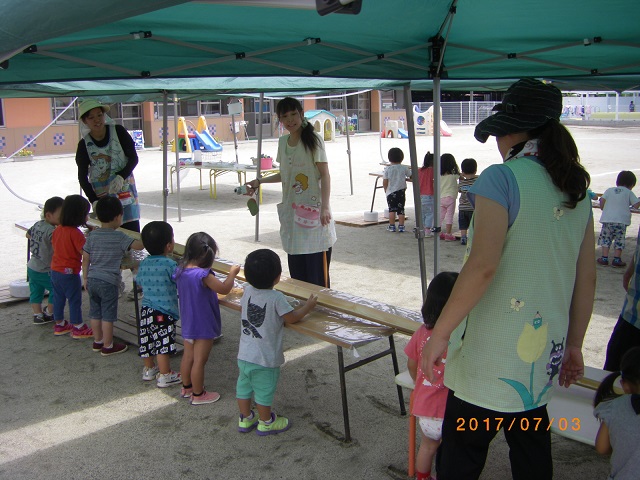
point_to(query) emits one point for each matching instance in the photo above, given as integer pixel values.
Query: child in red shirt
(429, 399)
(67, 242)
(425, 179)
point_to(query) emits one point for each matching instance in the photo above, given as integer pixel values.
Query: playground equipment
(323, 122)
(424, 123)
(394, 129)
(200, 140)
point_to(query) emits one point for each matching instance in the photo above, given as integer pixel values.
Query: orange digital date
(537, 423)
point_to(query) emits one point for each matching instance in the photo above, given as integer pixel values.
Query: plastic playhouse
(323, 122)
(423, 124)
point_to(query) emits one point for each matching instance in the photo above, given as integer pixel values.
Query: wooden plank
(333, 327)
(359, 221)
(402, 320)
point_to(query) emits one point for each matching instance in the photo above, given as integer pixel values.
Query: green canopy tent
(588, 43)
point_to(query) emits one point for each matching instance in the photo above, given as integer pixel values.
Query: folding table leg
(343, 391)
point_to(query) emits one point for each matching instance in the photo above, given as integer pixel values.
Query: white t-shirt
(616, 207)
(397, 175)
(262, 326)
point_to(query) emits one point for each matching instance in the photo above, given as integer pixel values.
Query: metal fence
(461, 113)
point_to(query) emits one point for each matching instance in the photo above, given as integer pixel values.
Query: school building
(22, 119)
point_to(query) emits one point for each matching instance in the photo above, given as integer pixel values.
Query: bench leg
(343, 392)
(396, 371)
(411, 470)
(135, 305)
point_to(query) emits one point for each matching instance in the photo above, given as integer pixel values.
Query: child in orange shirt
(67, 241)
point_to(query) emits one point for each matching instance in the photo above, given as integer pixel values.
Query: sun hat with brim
(90, 104)
(527, 104)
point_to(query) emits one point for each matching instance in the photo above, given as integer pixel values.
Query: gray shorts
(103, 300)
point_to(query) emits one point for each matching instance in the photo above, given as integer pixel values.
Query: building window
(129, 115)
(392, 99)
(191, 108)
(210, 108)
(58, 104)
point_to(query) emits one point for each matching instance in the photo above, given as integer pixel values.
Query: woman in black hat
(517, 316)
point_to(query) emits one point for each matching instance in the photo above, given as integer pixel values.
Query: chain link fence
(461, 113)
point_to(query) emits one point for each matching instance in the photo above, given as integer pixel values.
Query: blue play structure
(402, 133)
(206, 142)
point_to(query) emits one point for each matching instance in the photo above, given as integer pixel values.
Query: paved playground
(68, 413)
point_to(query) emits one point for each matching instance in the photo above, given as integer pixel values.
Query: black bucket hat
(528, 104)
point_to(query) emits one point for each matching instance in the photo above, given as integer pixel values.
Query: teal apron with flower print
(506, 353)
(104, 163)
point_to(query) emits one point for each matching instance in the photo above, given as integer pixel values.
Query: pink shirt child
(429, 399)
(425, 179)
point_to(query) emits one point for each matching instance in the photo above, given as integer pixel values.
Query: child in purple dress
(198, 290)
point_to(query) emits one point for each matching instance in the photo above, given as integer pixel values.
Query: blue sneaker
(391, 228)
(400, 228)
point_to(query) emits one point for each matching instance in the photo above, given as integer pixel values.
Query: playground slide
(209, 143)
(402, 133)
(445, 130)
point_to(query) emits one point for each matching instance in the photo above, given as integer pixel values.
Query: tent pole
(346, 121)
(416, 189)
(436, 175)
(177, 145)
(165, 142)
(257, 236)
(235, 140)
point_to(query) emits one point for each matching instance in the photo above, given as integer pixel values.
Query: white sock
(110, 346)
(80, 325)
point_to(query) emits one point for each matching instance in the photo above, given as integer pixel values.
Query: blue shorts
(38, 283)
(613, 235)
(103, 300)
(257, 380)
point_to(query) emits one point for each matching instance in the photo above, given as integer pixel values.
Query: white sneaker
(149, 373)
(167, 379)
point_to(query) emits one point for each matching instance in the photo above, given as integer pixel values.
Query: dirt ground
(69, 413)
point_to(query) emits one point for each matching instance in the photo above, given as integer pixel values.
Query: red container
(266, 163)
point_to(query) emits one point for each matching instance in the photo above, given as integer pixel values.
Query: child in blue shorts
(160, 311)
(264, 313)
(39, 265)
(101, 257)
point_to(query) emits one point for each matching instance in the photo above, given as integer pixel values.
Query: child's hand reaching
(234, 271)
(312, 301)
